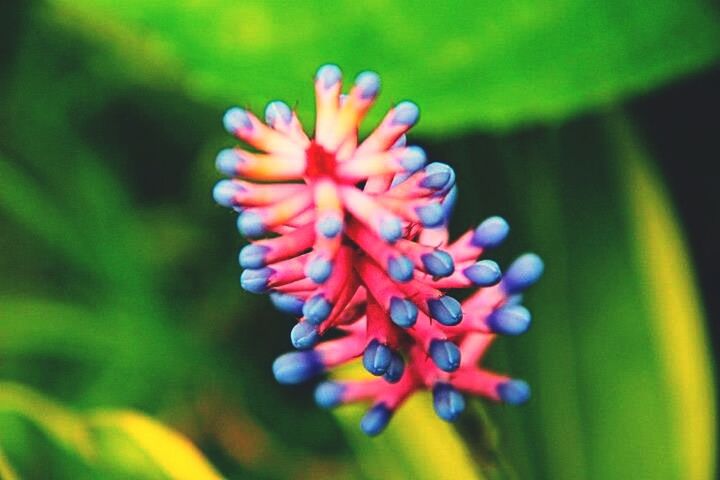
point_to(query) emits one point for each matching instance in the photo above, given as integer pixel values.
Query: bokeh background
(127, 348)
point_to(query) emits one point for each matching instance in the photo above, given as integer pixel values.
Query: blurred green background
(592, 126)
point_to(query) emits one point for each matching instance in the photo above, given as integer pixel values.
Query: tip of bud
(329, 226)
(304, 336)
(329, 394)
(328, 75)
(253, 256)
(400, 268)
(445, 310)
(396, 369)
(413, 159)
(226, 162)
(377, 357)
(510, 320)
(316, 309)
(296, 367)
(438, 263)
(522, 273)
(277, 112)
(431, 215)
(391, 229)
(448, 203)
(403, 312)
(255, 281)
(368, 83)
(224, 193)
(491, 232)
(318, 269)
(483, 273)
(448, 402)
(376, 419)
(250, 224)
(437, 176)
(287, 303)
(406, 113)
(514, 392)
(236, 119)
(445, 355)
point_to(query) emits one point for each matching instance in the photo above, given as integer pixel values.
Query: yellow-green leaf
(6, 470)
(416, 443)
(617, 357)
(174, 454)
(59, 423)
(674, 306)
(125, 444)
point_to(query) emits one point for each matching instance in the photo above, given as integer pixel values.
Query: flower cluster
(352, 237)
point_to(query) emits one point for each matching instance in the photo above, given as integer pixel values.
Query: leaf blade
(416, 443)
(675, 306)
(493, 64)
(174, 454)
(59, 423)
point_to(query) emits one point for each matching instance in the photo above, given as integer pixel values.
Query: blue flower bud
(523, 272)
(377, 357)
(319, 269)
(400, 268)
(406, 113)
(304, 335)
(368, 84)
(403, 312)
(376, 419)
(329, 394)
(235, 119)
(447, 401)
(250, 224)
(396, 369)
(296, 367)
(445, 355)
(514, 392)
(253, 256)
(483, 273)
(510, 320)
(255, 281)
(287, 303)
(316, 309)
(491, 232)
(445, 310)
(277, 111)
(328, 75)
(438, 263)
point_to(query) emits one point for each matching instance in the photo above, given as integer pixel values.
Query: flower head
(356, 240)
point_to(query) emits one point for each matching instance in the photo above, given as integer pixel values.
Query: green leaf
(6, 470)
(24, 200)
(104, 338)
(673, 302)
(91, 225)
(60, 424)
(617, 357)
(38, 325)
(123, 443)
(492, 64)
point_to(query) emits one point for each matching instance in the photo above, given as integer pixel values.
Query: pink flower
(358, 242)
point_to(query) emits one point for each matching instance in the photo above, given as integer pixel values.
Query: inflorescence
(352, 237)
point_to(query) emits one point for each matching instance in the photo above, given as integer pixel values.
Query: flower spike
(351, 236)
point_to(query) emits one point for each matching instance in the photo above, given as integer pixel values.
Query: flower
(356, 240)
